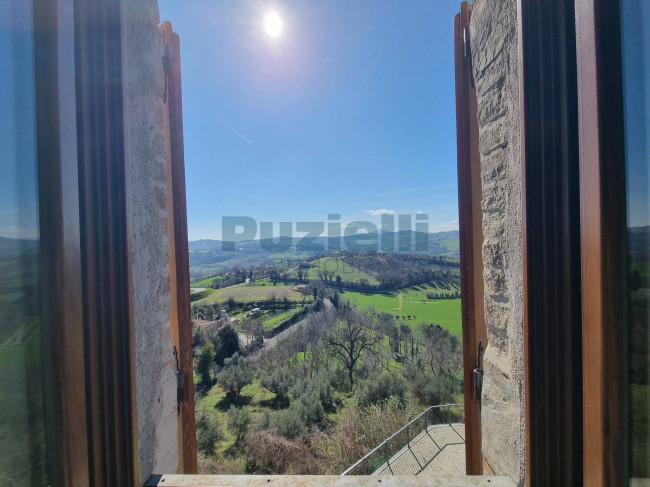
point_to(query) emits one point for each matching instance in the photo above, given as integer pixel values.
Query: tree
(339, 282)
(239, 419)
(443, 350)
(278, 382)
(204, 363)
(197, 336)
(226, 344)
(235, 376)
(208, 432)
(349, 339)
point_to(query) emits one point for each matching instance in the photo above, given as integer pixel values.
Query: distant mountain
(13, 247)
(208, 257)
(397, 237)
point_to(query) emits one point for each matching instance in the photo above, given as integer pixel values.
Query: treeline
(389, 372)
(397, 271)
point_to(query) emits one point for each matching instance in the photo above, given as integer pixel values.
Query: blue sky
(351, 109)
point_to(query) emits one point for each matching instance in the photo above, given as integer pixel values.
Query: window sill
(324, 480)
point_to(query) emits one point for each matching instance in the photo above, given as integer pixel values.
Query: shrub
(379, 390)
(208, 432)
(278, 381)
(235, 376)
(315, 389)
(239, 419)
(288, 423)
(197, 336)
(204, 363)
(362, 429)
(434, 390)
(271, 453)
(309, 408)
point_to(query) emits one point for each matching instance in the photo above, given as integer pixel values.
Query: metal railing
(433, 415)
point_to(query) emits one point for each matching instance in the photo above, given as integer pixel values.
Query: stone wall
(155, 365)
(494, 44)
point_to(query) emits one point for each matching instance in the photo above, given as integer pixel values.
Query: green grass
(451, 244)
(419, 293)
(253, 395)
(337, 266)
(445, 312)
(206, 282)
(278, 319)
(201, 294)
(251, 292)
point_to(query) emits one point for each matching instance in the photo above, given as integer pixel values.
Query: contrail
(219, 118)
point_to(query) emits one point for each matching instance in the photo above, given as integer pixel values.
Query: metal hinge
(478, 372)
(180, 384)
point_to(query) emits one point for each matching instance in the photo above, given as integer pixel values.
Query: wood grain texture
(603, 228)
(188, 450)
(471, 238)
(105, 270)
(60, 247)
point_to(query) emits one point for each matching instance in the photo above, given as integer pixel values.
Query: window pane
(636, 59)
(22, 404)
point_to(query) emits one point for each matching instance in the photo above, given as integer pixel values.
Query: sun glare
(273, 24)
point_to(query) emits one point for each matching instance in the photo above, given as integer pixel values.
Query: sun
(273, 24)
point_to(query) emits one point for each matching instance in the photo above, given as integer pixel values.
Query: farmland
(336, 266)
(252, 293)
(413, 302)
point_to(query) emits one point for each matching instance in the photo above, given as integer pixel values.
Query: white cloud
(382, 211)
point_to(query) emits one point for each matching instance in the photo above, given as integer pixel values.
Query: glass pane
(636, 59)
(22, 404)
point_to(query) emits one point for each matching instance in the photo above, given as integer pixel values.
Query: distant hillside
(19, 285)
(207, 258)
(12, 247)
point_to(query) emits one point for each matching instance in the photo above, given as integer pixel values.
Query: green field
(336, 266)
(278, 319)
(251, 292)
(205, 282)
(451, 244)
(445, 312)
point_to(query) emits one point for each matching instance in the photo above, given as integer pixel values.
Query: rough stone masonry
(494, 45)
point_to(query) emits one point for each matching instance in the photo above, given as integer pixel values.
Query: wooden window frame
(179, 264)
(551, 243)
(604, 231)
(58, 184)
(470, 218)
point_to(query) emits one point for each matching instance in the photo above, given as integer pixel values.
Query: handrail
(406, 428)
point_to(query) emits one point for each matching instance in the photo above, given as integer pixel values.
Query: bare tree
(443, 350)
(349, 339)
